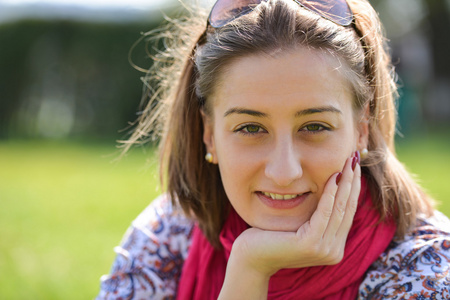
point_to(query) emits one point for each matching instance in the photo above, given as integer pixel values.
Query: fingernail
(358, 155)
(338, 178)
(354, 161)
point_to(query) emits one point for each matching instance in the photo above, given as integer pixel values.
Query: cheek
(237, 163)
(320, 163)
(321, 166)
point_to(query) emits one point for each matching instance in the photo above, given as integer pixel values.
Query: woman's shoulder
(163, 225)
(416, 265)
(151, 255)
(161, 217)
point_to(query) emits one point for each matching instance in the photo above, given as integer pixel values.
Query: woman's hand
(257, 254)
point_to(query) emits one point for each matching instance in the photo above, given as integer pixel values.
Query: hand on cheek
(320, 241)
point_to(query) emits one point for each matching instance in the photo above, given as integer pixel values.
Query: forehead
(293, 76)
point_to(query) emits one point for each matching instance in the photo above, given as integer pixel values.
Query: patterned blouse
(151, 255)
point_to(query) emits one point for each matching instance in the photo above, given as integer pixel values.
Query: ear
(363, 129)
(208, 135)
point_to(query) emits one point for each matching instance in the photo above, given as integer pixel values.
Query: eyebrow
(317, 110)
(304, 112)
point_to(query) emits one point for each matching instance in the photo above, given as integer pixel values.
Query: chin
(280, 225)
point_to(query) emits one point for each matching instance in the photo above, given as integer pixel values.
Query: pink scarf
(204, 269)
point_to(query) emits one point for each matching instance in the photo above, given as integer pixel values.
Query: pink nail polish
(354, 161)
(338, 178)
(358, 155)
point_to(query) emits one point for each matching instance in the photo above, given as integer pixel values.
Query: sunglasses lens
(224, 11)
(336, 11)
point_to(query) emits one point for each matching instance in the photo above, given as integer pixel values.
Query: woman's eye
(314, 128)
(250, 129)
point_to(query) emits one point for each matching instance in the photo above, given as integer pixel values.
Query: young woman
(278, 154)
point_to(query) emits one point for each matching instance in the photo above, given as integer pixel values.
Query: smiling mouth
(281, 197)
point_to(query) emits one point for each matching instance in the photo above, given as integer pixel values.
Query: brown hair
(186, 79)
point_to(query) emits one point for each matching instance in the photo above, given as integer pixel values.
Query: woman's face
(279, 128)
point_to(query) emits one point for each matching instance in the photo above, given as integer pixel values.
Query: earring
(209, 157)
(364, 153)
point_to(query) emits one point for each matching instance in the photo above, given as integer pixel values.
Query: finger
(341, 200)
(321, 217)
(352, 204)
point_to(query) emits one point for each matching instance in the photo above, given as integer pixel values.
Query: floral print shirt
(151, 255)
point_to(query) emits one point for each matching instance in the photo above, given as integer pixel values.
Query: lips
(282, 201)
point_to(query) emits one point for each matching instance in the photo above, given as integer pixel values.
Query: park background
(68, 93)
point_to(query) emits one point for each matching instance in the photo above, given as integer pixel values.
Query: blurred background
(68, 93)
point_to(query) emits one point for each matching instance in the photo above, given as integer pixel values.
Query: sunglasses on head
(225, 11)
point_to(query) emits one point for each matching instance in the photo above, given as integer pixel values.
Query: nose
(283, 165)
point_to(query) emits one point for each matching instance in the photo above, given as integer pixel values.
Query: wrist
(244, 280)
(251, 260)
(257, 271)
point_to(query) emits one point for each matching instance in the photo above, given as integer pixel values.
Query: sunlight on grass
(66, 205)
(428, 159)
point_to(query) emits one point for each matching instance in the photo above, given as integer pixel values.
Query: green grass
(427, 157)
(64, 206)
(63, 209)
